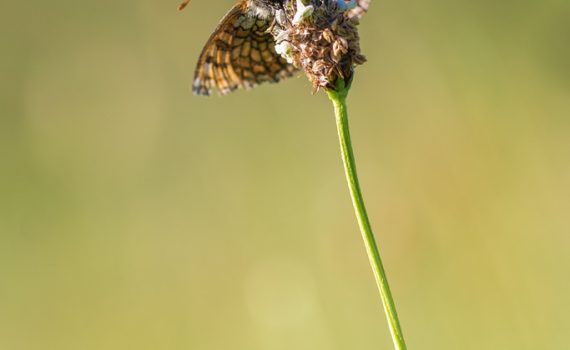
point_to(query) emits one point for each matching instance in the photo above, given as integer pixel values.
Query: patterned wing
(239, 54)
(360, 9)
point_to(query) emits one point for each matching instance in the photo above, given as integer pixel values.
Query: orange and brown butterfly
(240, 53)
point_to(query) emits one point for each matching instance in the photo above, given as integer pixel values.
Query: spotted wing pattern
(360, 9)
(239, 54)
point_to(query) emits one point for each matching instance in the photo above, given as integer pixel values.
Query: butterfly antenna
(183, 5)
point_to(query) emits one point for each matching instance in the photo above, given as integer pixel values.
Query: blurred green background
(134, 215)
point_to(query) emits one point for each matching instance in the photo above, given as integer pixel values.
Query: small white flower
(285, 50)
(303, 11)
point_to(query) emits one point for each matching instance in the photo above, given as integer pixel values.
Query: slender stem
(338, 98)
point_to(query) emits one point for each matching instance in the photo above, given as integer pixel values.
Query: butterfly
(240, 53)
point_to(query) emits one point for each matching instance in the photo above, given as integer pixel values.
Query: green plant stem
(338, 98)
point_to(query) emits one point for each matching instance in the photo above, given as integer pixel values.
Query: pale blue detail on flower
(343, 5)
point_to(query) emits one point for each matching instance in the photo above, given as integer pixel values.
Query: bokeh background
(134, 215)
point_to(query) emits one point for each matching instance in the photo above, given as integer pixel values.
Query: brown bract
(326, 44)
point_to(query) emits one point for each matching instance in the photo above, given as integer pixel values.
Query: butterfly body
(264, 8)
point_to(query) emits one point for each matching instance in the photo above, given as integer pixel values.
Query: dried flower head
(321, 37)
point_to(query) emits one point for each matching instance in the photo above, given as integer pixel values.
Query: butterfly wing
(239, 54)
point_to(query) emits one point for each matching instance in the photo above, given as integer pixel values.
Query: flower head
(321, 37)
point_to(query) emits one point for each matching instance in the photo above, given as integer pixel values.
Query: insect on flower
(240, 53)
